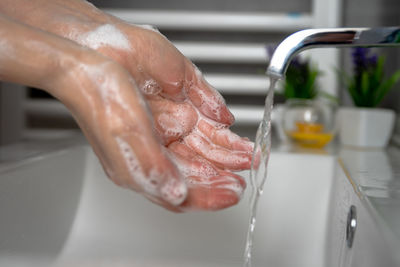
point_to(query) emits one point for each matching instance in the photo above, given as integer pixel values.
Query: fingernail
(174, 192)
(234, 187)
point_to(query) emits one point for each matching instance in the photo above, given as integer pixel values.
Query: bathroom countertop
(14, 154)
(375, 175)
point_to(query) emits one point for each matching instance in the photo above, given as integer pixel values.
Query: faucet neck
(334, 37)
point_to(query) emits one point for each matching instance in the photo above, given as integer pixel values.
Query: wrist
(70, 80)
(84, 83)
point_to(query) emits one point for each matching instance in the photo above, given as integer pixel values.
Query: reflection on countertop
(11, 156)
(375, 175)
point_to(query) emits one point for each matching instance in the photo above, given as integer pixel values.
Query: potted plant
(366, 125)
(301, 80)
(303, 118)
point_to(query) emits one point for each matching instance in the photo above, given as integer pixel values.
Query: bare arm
(103, 98)
(190, 118)
(22, 57)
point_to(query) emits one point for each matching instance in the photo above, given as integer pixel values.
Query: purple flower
(363, 60)
(372, 61)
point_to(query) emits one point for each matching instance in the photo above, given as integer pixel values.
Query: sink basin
(58, 209)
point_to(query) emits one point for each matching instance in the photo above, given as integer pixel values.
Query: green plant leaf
(386, 87)
(378, 73)
(289, 90)
(365, 89)
(310, 90)
(368, 88)
(354, 93)
(301, 81)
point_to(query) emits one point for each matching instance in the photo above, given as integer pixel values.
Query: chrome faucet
(334, 37)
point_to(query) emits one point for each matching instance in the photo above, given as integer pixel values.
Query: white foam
(222, 182)
(234, 187)
(179, 123)
(216, 100)
(195, 140)
(135, 170)
(171, 126)
(105, 35)
(150, 87)
(109, 88)
(201, 116)
(172, 190)
(214, 103)
(205, 170)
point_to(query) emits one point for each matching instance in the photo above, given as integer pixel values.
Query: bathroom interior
(327, 200)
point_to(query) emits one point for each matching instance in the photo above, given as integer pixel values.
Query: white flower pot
(365, 127)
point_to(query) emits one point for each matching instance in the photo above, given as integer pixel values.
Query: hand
(190, 118)
(105, 101)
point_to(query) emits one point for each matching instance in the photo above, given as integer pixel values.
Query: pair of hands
(153, 121)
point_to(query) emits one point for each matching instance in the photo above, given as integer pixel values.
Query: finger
(215, 193)
(221, 157)
(129, 143)
(172, 120)
(239, 178)
(164, 70)
(224, 137)
(163, 204)
(191, 164)
(209, 102)
(161, 67)
(149, 169)
(209, 188)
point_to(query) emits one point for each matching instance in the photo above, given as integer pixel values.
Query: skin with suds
(155, 124)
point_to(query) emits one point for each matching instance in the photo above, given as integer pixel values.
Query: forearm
(104, 95)
(33, 57)
(67, 70)
(56, 16)
(76, 20)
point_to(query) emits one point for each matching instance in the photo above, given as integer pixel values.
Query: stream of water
(258, 173)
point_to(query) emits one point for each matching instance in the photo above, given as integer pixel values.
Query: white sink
(59, 208)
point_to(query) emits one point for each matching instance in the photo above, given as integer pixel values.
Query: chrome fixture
(351, 226)
(334, 37)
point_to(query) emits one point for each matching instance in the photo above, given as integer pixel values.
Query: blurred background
(226, 39)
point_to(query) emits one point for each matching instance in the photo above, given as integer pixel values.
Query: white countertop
(374, 172)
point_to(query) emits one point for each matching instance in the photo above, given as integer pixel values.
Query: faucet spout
(334, 37)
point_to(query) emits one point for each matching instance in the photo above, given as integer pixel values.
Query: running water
(258, 173)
